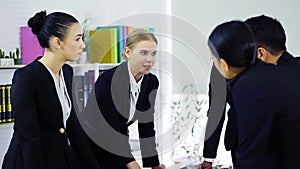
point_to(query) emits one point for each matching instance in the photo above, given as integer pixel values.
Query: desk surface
(183, 166)
(186, 166)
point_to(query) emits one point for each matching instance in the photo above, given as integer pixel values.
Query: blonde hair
(137, 36)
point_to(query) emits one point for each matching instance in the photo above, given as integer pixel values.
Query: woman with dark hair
(233, 48)
(47, 133)
(271, 49)
(265, 98)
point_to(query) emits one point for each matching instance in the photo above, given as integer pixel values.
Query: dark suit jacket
(219, 94)
(266, 102)
(112, 91)
(216, 113)
(37, 142)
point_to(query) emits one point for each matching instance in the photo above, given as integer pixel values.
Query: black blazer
(38, 141)
(219, 94)
(109, 141)
(216, 113)
(266, 102)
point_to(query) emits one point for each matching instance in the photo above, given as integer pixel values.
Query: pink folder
(30, 47)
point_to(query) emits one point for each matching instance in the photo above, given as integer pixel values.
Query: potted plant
(84, 58)
(17, 57)
(6, 60)
(188, 124)
(1, 56)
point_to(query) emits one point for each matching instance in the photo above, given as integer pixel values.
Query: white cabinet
(6, 73)
(80, 69)
(85, 76)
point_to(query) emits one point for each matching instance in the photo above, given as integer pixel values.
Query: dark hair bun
(37, 21)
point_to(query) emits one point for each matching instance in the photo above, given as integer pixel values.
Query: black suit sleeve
(213, 130)
(120, 151)
(79, 142)
(24, 99)
(146, 128)
(216, 113)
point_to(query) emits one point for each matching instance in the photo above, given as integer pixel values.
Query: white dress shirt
(135, 88)
(63, 95)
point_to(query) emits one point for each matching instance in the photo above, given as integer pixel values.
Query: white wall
(205, 15)
(15, 13)
(191, 22)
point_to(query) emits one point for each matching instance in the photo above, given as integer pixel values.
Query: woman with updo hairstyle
(125, 94)
(264, 92)
(233, 48)
(47, 133)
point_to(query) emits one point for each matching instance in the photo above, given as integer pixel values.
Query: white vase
(6, 62)
(83, 58)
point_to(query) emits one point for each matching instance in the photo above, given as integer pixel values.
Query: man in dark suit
(264, 97)
(271, 40)
(268, 114)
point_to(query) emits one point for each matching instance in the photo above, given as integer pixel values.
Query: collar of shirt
(62, 94)
(135, 87)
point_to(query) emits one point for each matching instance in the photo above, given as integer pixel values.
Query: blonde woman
(124, 94)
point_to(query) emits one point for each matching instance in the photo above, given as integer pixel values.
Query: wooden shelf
(11, 67)
(101, 65)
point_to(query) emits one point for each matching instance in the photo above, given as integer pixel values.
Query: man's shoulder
(259, 76)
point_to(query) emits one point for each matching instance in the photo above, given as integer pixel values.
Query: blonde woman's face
(142, 56)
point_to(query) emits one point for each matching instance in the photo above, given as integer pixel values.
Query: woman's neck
(137, 76)
(236, 71)
(52, 62)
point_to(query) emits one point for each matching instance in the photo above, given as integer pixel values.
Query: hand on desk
(133, 165)
(206, 165)
(161, 166)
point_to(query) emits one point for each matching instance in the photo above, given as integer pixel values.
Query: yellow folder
(103, 46)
